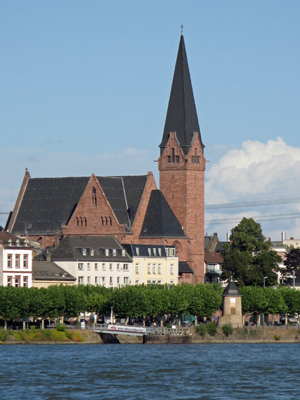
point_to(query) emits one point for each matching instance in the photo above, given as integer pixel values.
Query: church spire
(181, 114)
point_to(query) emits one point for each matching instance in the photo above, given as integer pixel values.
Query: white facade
(16, 266)
(102, 273)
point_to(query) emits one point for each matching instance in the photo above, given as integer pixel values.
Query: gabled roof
(181, 115)
(160, 221)
(48, 203)
(71, 249)
(213, 258)
(143, 250)
(49, 271)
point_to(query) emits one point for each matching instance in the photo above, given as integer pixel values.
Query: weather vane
(181, 29)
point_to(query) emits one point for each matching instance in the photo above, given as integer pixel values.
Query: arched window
(85, 222)
(81, 222)
(102, 220)
(110, 221)
(94, 196)
(77, 221)
(105, 220)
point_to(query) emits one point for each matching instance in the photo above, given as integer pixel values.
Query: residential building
(153, 264)
(47, 273)
(15, 261)
(92, 260)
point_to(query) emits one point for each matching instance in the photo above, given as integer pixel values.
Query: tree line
(128, 301)
(139, 301)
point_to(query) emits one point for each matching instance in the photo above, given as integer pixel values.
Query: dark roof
(7, 239)
(160, 221)
(49, 203)
(184, 268)
(219, 247)
(48, 270)
(213, 258)
(71, 249)
(143, 250)
(181, 115)
(232, 290)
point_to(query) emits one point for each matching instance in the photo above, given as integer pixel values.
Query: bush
(201, 330)
(212, 328)
(69, 334)
(60, 328)
(32, 327)
(277, 337)
(227, 329)
(3, 335)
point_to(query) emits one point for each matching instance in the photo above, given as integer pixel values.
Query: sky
(84, 88)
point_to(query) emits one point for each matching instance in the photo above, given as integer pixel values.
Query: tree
(291, 264)
(248, 258)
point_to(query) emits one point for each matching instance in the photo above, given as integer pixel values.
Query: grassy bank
(40, 336)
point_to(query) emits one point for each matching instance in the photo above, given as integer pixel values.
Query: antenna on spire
(181, 29)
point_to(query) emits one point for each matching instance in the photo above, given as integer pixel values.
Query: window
(25, 281)
(118, 267)
(159, 282)
(96, 280)
(149, 269)
(96, 266)
(149, 251)
(172, 269)
(137, 282)
(17, 281)
(149, 282)
(125, 267)
(103, 280)
(177, 159)
(114, 252)
(154, 269)
(80, 280)
(25, 261)
(126, 281)
(92, 252)
(106, 252)
(173, 155)
(17, 261)
(110, 267)
(84, 252)
(80, 266)
(154, 251)
(137, 267)
(137, 250)
(159, 251)
(9, 280)
(85, 221)
(88, 280)
(123, 253)
(111, 280)
(169, 159)
(172, 282)
(118, 280)
(94, 196)
(9, 261)
(159, 269)
(88, 266)
(103, 266)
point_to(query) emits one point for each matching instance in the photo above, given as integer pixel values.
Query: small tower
(181, 163)
(232, 306)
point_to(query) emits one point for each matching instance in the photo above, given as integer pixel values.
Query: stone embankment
(77, 336)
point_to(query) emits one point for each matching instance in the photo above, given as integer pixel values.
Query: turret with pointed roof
(181, 164)
(181, 115)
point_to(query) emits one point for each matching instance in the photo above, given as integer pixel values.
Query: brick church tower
(181, 165)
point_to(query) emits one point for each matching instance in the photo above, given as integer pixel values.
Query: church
(131, 208)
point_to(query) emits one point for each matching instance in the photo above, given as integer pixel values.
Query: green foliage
(227, 329)
(291, 264)
(69, 334)
(277, 337)
(201, 330)
(3, 335)
(248, 258)
(32, 327)
(60, 328)
(212, 328)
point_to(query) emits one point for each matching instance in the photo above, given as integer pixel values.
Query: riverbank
(78, 336)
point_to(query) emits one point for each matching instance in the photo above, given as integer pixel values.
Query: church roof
(232, 290)
(160, 221)
(181, 114)
(48, 203)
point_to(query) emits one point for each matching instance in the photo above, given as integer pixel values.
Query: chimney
(291, 238)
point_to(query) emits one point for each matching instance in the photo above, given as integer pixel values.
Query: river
(195, 371)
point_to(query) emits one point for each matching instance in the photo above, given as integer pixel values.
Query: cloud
(258, 171)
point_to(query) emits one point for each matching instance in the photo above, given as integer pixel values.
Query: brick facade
(182, 184)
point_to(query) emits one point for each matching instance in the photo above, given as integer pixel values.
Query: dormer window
(107, 252)
(84, 252)
(92, 252)
(9, 242)
(149, 251)
(154, 251)
(137, 250)
(17, 242)
(159, 251)
(114, 252)
(123, 253)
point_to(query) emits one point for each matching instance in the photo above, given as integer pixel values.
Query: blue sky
(85, 87)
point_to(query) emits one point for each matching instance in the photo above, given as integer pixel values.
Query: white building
(15, 261)
(93, 260)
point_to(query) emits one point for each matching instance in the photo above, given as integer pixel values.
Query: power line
(274, 217)
(254, 203)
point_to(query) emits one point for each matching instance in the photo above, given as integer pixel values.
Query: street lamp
(265, 277)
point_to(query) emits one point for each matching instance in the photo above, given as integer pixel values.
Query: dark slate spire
(181, 115)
